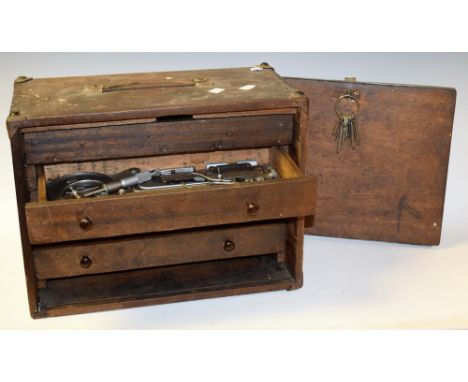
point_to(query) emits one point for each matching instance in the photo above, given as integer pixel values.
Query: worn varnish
(165, 210)
(392, 186)
(163, 285)
(165, 246)
(169, 245)
(158, 138)
(68, 100)
(159, 250)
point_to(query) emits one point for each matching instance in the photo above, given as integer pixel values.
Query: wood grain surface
(166, 210)
(159, 250)
(158, 138)
(169, 245)
(392, 187)
(69, 100)
(163, 285)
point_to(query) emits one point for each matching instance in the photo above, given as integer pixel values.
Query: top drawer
(75, 143)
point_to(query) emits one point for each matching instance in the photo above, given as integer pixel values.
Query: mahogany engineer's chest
(139, 189)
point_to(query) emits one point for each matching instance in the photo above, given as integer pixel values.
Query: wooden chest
(177, 244)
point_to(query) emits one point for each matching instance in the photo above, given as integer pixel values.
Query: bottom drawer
(156, 250)
(163, 285)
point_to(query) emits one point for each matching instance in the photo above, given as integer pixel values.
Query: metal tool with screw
(85, 185)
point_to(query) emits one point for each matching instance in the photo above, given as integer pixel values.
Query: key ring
(346, 130)
(349, 95)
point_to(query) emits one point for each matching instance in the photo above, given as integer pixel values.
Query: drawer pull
(86, 223)
(86, 262)
(252, 208)
(229, 245)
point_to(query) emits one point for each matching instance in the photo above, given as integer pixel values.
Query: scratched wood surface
(163, 285)
(158, 138)
(167, 210)
(392, 187)
(159, 250)
(95, 123)
(292, 195)
(48, 101)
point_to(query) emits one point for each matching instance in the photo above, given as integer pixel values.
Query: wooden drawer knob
(86, 261)
(86, 223)
(252, 208)
(229, 245)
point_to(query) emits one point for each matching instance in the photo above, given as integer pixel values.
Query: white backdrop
(348, 283)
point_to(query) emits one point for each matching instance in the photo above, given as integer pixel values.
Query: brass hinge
(22, 79)
(265, 65)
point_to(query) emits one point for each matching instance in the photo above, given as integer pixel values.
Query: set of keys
(346, 129)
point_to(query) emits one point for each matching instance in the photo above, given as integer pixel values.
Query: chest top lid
(70, 100)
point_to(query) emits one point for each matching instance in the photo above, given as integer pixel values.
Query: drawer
(163, 285)
(159, 250)
(157, 138)
(292, 195)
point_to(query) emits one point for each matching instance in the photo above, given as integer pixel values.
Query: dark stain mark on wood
(404, 205)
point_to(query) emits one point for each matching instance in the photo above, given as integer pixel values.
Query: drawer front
(157, 138)
(159, 250)
(166, 210)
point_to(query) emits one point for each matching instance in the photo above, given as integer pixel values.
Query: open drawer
(291, 195)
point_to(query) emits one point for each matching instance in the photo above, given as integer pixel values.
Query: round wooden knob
(229, 245)
(86, 261)
(252, 208)
(86, 222)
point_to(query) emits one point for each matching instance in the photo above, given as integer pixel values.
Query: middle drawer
(291, 195)
(159, 250)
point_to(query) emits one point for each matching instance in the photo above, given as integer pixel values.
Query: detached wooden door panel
(392, 186)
